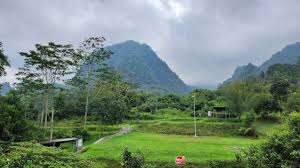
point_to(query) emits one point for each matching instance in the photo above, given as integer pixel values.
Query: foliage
(91, 57)
(81, 133)
(110, 106)
(236, 94)
(43, 67)
(293, 103)
(236, 163)
(187, 128)
(13, 125)
(267, 106)
(27, 154)
(133, 161)
(280, 90)
(3, 61)
(62, 133)
(249, 119)
(280, 150)
(247, 131)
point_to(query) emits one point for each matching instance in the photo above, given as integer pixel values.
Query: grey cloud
(202, 41)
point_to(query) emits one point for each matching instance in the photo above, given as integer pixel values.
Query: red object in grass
(180, 160)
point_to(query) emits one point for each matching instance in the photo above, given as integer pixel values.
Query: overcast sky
(203, 41)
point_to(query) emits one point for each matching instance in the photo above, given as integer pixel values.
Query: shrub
(92, 128)
(13, 126)
(247, 131)
(280, 150)
(267, 106)
(133, 161)
(293, 103)
(237, 163)
(249, 119)
(81, 133)
(62, 133)
(27, 154)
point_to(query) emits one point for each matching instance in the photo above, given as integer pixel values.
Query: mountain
(288, 55)
(243, 72)
(5, 88)
(140, 65)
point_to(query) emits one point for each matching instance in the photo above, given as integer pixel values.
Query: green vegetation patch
(164, 148)
(187, 128)
(27, 154)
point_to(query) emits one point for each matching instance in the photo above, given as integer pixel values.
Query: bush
(249, 119)
(267, 106)
(81, 133)
(62, 133)
(133, 161)
(247, 131)
(13, 126)
(237, 163)
(293, 103)
(27, 154)
(280, 150)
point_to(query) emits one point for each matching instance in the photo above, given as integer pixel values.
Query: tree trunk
(43, 111)
(87, 95)
(46, 108)
(86, 108)
(52, 115)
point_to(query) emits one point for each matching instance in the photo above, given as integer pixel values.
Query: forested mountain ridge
(288, 55)
(140, 65)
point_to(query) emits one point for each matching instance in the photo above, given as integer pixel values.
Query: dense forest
(60, 82)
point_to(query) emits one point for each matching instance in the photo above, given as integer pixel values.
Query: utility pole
(194, 96)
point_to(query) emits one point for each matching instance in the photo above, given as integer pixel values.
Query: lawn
(161, 147)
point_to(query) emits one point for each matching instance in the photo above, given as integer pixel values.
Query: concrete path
(123, 131)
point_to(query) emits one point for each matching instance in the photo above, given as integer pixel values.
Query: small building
(77, 143)
(219, 112)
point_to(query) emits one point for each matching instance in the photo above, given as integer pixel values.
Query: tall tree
(3, 61)
(235, 94)
(280, 90)
(44, 66)
(92, 60)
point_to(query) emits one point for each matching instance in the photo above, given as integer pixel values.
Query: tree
(43, 67)
(133, 161)
(92, 62)
(266, 106)
(235, 94)
(3, 61)
(13, 126)
(280, 90)
(112, 104)
(293, 103)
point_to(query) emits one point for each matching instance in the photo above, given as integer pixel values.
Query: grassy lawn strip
(160, 147)
(187, 128)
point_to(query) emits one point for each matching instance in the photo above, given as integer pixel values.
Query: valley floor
(164, 148)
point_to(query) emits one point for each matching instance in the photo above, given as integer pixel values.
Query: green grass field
(164, 148)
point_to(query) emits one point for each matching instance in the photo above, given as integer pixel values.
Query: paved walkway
(123, 131)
